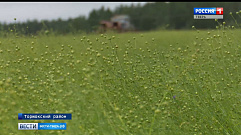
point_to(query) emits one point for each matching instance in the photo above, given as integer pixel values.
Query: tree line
(150, 16)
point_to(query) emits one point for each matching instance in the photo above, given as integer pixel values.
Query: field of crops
(148, 83)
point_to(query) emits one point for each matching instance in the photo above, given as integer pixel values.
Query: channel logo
(27, 126)
(208, 13)
(42, 126)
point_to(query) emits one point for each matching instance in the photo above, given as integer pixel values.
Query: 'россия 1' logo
(208, 13)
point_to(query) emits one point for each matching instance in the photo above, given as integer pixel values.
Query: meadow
(146, 83)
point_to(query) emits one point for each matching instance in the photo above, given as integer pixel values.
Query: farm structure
(120, 23)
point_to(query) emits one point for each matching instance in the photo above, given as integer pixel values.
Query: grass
(160, 82)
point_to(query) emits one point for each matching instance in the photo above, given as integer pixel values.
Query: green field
(147, 83)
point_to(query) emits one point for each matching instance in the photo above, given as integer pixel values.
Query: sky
(24, 11)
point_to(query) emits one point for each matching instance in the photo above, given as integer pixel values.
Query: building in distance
(120, 23)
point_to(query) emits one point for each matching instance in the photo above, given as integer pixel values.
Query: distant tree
(150, 16)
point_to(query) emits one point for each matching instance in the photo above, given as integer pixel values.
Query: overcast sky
(24, 11)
